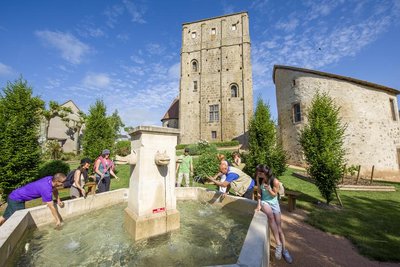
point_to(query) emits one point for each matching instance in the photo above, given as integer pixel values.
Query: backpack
(70, 178)
(281, 190)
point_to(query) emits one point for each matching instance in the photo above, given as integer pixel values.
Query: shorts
(74, 192)
(13, 206)
(275, 207)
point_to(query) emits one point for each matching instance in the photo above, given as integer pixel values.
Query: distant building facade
(171, 117)
(66, 133)
(216, 94)
(372, 137)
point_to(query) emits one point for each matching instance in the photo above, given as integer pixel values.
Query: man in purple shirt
(44, 188)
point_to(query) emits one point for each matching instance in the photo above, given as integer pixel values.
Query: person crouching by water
(268, 202)
(44, 188)
(80, 178)
(104, 167)
(240, 182)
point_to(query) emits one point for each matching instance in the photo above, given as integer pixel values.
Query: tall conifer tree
(322, 143)
(98, 133)
(264, 147)
(20, 115)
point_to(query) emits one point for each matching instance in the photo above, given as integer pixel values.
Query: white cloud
(175, 71)
(112, 15)
(72, 50)
(97, 80)
(5, 70)
(155, 49)
(288, 25)
(135, 11)
(137, 59)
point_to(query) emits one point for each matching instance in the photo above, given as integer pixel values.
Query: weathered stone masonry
(216, 100)
(369, 110)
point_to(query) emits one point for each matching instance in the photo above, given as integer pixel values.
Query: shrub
(206, 165)
(123, 148)
(65, 156)
(52, 167)
(53, 148)
(226, 143)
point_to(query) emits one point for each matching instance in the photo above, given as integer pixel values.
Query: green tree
(116, 123)
(322, 143)
(264, 147)
(20, 115)
(98, 134)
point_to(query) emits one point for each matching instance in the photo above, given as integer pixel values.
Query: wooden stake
(337, 195)
(358, 173)
(372, 172)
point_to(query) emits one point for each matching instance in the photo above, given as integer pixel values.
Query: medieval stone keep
(369, 110)
(216, 99)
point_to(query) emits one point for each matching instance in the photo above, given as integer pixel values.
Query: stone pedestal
(151, 207)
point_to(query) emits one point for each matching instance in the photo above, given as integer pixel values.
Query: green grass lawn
(371, 220)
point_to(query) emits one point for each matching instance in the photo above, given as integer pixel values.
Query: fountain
(151, 200)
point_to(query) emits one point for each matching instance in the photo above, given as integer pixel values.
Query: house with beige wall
(369, 110)
(215, 94)
(66, 133)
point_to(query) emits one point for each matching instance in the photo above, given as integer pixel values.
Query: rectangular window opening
(194, 86)
(214, 113)
(234, 27)
(296, 112)
(193, 35)
(213, 31)
(393, 109)
(213, 134)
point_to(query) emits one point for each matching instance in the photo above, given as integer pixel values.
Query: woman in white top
(80, 177)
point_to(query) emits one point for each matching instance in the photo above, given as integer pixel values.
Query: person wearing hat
(184, 168)
(104, 168)
(80, 178)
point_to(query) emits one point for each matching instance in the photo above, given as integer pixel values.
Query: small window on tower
(213, 134)
(193, 35)
(213, 31)
(194, 66)
(296, 112)
(194, 86)
(234, 27)
(234, 90)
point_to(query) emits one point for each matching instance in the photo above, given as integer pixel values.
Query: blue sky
(127, 52)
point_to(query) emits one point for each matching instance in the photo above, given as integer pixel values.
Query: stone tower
(216, 94)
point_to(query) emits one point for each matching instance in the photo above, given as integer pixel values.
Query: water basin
(208, 235)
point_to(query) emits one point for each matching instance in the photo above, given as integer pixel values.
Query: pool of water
(208, 235)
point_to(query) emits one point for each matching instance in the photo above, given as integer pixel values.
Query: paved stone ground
(312, 247)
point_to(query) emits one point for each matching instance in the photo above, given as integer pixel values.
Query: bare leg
(271, 221)
(278, 221)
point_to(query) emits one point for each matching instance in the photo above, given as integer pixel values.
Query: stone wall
(221, 49)
(372, 134)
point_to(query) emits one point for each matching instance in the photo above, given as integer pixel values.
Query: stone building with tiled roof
(369, 110)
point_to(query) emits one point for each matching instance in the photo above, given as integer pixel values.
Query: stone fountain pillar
(151, 207)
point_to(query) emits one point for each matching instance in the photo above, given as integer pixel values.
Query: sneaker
(278, 252)
(287, 256)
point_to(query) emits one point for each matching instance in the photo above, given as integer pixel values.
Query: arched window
(234, 90)
(194, 65)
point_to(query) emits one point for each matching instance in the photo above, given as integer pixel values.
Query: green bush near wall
(217, 144)
(52, 167)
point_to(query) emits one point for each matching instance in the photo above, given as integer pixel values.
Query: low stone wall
(255, 250)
